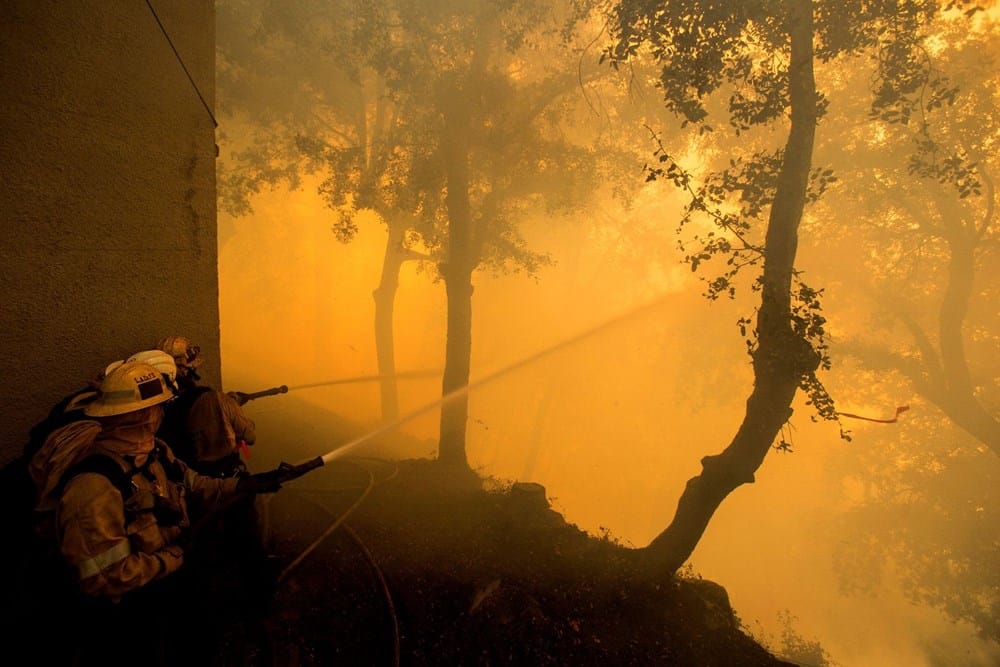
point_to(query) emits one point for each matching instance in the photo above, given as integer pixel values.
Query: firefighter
(122, 516)
(207, 428)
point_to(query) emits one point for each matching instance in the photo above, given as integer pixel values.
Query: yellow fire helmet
(129, 387)
(185, 353)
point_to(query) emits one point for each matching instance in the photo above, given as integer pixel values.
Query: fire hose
(287, 472)
(243, 398)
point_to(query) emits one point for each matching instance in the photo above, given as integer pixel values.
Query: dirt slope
(435, 568)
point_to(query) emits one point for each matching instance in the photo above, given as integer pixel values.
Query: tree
(317, 83)
(922, 189)
(917, 211)
(764, 52)
(451, 120)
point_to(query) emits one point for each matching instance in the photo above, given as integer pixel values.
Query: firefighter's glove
(262, 482)
(240, 397)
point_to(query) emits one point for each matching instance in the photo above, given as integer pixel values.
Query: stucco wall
(107, 159)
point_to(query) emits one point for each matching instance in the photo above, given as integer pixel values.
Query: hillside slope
(408, 563)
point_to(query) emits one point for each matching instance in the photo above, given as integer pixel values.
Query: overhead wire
(180, 60)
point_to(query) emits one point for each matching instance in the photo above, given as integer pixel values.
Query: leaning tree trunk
(782, 357)
(457, 274)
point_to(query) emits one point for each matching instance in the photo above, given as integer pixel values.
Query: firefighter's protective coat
(216, 424)
(118, 546)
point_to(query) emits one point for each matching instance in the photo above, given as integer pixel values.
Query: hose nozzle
(243, 398)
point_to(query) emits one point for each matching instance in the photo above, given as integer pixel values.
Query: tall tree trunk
(385, 299)
(457, 274)
(458, 352)
(958, 400)
(782, 358)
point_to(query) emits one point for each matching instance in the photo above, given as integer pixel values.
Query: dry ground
(438, 568)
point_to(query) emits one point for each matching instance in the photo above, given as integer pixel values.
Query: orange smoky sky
(612, 424)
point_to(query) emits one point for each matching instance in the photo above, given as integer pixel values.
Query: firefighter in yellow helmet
(204, 426)
(122, 513)
(208, 428)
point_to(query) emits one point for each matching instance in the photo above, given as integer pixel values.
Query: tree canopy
(760, 59)
(455, 122)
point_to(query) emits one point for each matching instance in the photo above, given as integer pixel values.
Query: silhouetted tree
(764, 52)
(453, 120)
(319, 87)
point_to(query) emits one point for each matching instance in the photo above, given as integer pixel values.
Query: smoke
(612, 425)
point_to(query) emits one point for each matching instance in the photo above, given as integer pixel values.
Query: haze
(864, 546)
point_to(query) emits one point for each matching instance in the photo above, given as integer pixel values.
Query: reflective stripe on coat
(117, 547)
